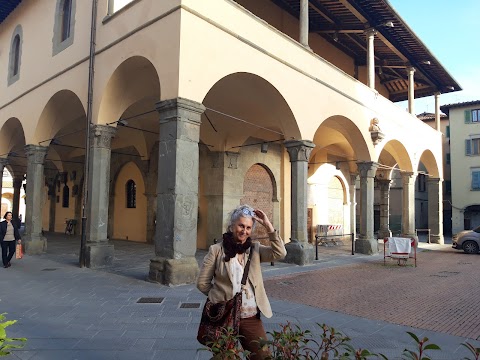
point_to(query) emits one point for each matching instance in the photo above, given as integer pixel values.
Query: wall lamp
(264, 148)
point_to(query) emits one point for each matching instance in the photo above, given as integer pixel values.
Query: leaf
(413, 336)
(432, 347)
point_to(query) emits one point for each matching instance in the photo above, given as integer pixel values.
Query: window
(476, 179)
(472, 147)
(472, 116)
(115, 5)
(15, 55)
(447, 131)
(66, 18)
(131, 194)
(64, 26)
(66, 196)
(448, 158)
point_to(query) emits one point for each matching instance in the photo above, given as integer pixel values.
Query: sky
(450, 31)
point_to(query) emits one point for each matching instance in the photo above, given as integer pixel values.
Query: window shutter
(476, 180)
(448, 158)
(468, 148)
(448, 131)
(468, 116)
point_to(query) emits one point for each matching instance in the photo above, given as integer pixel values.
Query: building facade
(194, 107)
(465, 164)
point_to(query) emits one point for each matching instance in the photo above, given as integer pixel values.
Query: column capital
(408, 177)
(299, 150)
(411, 69)
(36, 154)
(434, 180)
(101, 136)
(371, 31)
(437, 93)
(367, 169)
(180, 109)
(3, 162)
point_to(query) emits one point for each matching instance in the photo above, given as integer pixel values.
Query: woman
(224, 264)
(9, 236)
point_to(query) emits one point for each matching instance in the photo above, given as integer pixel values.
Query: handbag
(18, 250)
(216, 318)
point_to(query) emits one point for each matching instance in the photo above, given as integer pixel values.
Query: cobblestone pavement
(441, 294)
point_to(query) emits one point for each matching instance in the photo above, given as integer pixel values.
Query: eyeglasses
(248, 212)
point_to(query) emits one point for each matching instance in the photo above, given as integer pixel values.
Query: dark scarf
(232, 248)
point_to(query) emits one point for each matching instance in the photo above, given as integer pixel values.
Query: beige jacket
(221, 289)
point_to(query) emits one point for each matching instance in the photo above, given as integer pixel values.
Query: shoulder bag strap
(247, 266)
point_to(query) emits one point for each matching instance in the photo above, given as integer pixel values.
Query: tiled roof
(429, 116)
(446, 108)
(6, 7)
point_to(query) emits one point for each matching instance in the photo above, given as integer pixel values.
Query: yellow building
(197, 106)
(465, 164)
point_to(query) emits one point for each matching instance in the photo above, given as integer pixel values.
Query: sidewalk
(70, 313)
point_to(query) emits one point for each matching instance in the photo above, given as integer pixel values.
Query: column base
(384, 233)
(173, 271)
(299, 252)
(366, 246)
(437, 239)
(99, 255)
(35, 244)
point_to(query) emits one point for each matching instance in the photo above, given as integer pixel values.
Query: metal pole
(353, 241)
(316, 247)
(91, 73)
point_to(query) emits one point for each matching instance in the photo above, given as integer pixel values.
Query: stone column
(3, 163)
(221, 191)
(304, 22)
(370, 33)
(408, 206)
(411, 90)
(299, 251)
(35, 242)
(17, 187)
(435, 210)
(151, 216)
(353, 205)
(99, 252)
(177, 193)
(366, 243)
(437, 112)
(384, 185)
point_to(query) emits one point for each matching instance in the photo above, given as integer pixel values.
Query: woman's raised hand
(262, 218)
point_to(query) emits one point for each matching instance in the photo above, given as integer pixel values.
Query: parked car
(468, 241)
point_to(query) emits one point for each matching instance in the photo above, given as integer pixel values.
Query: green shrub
(292, 343)
(8, 343)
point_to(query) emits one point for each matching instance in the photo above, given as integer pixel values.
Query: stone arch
(241, 105)
(133, 80)
(339, 141)
(12, 137)
(430, 162)
(63, 113)
(129, 223)
(394, 153)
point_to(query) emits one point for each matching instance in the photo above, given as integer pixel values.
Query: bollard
(353, 241)
(316, 247)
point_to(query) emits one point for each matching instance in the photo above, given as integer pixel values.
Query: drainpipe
(91, 73)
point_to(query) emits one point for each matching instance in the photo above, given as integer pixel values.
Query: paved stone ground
(441, 294)
(72, 313)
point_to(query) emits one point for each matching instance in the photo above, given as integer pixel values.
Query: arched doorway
(258, 192)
